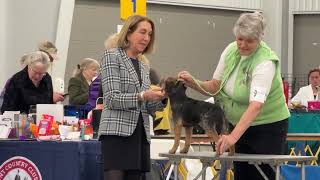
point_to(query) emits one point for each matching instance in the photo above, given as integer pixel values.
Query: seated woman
(50, 49)
(78, 88)
(30, 86)
(310, 92)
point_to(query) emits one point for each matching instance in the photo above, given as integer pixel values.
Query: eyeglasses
(37, 73)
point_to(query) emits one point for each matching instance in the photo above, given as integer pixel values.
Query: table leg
(176, 171)
(204, 173)
(170, 171)
(303, 171)
(278, 172)
(260, 171)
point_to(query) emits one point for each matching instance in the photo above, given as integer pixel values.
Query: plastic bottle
(82, 128)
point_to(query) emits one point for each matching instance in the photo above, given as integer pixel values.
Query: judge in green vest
(248, 84)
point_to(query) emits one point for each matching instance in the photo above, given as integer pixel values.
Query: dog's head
(172, 86)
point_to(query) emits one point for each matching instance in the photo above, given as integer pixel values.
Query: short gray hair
(37, 57)
(250, 25)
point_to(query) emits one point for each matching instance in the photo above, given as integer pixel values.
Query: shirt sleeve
(220, 67)
(262, 78)
(11, 97)
(302, 96)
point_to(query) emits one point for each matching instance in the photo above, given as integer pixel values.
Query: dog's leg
(213, 136)
(187, 140)
(232, 150)
(177, 134)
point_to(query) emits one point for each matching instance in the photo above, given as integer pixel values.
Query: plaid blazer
(121, 86)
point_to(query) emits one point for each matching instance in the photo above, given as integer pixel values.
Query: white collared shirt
(262, 77)
(304, 95)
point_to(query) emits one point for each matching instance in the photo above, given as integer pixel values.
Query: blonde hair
(144, 59)
(250, 25)
(49, 48)
(111, 42)
(84, 64)
(130, 26)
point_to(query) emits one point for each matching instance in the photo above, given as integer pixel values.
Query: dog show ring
(207, 158)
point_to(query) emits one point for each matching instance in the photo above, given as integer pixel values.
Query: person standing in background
(83, 75)
(128, 101)
(57, 82)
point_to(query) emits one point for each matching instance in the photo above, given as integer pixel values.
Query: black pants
(262, 139)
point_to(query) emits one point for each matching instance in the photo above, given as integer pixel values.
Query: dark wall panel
(187, 38)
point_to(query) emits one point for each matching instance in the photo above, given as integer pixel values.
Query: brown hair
(130, 26)
(313, 70)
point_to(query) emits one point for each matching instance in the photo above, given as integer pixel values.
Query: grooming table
(207, 159)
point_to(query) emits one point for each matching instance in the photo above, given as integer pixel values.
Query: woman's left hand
(57, 97)
(224, 143)
(154, 94)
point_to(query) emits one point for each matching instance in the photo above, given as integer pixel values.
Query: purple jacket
(94, 90)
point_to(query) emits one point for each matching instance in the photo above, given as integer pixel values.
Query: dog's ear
(162, 82)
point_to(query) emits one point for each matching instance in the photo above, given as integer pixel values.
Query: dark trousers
(262, 139)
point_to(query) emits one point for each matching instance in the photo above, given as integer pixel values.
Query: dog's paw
(184, 150)
(231, 151)
(172, 151)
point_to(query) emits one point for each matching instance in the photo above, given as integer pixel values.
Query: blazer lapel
(130, 68)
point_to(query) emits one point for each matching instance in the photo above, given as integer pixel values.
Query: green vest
(274, 108)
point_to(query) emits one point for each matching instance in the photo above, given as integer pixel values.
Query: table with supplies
(304, 122)
(304, 127)
(50, 160)
(275, 161)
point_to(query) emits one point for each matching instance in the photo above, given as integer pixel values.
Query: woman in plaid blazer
(128, 101)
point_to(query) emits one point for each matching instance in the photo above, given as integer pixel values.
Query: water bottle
(82, 129)
(22, 126)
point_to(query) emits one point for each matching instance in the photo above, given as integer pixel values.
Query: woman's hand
(57, 97)
(224, 143)
(186, 78)
(154, 94)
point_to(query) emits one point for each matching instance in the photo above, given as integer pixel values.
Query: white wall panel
(218, 4)
(63, 36)
(3, 27)
(305, 6)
